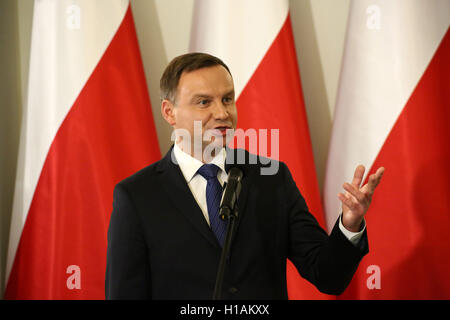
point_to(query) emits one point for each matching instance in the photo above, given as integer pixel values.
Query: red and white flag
(254, 38)
(87, 125)
(393, 110)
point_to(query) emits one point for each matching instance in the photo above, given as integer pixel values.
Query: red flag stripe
(273, 99)
(409, 219)
(107, 135)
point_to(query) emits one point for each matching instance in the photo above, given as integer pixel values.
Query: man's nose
(220, 110)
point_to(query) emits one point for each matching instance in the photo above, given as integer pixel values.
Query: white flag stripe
(60, 65)
(372, 95)
(232, 36)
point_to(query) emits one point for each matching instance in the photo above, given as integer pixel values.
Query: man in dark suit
(165, 238)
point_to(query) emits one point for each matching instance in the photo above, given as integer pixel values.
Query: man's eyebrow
(207, 96)
(200, 96)
(229, 93)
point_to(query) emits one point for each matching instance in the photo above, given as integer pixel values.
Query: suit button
(233, 290)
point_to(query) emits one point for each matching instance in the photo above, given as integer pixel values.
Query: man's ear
(167, 111)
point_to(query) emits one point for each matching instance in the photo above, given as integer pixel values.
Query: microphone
(227, 213)
(231, 193)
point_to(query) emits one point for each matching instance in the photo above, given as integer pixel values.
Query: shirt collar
(189, 165)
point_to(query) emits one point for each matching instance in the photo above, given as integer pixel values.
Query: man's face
(205, 95)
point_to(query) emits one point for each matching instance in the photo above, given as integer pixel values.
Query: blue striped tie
(213, 198)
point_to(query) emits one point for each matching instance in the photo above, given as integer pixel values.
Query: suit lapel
(181, 197)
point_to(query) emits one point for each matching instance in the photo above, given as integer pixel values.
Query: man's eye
(227, 100)
(204, 102)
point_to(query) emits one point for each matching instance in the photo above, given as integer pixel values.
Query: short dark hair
(185, 63)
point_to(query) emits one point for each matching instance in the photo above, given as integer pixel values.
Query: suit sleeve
(127, 263)
(327, 261)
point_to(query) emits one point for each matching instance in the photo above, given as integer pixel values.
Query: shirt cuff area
(353, 237)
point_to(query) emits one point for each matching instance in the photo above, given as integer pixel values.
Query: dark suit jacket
(161, 247)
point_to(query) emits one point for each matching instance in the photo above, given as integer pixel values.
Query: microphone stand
(231, 216)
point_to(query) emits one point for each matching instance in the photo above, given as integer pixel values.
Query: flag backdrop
(393, 110)
(87, 124)
(254, 38)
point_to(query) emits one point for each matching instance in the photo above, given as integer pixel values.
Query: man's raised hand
(356, 201)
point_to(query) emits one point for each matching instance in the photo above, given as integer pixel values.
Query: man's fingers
(374, 179)
(356, 196)
(354, 191)
(380, 172)
(347, 201)
(358, 176)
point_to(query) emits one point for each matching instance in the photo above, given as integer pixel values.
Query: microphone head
(230, 194)
(235, 173)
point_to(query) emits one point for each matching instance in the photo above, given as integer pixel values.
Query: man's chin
(211, 149)
(220, 142)
(215, 145)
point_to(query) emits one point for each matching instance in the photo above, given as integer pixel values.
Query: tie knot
(208, 171)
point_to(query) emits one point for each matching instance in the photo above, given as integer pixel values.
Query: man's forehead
(206, 81)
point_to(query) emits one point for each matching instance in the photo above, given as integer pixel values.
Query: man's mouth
(222, 129)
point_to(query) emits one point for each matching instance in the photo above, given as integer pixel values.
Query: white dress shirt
(197, 184)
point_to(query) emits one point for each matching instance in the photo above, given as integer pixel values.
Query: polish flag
(87, 125)
(254, 38)
(393, 110)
